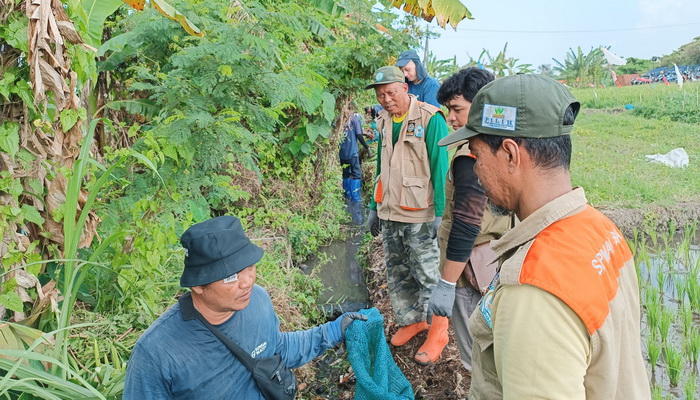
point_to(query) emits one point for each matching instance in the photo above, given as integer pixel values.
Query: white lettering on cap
(499, 117)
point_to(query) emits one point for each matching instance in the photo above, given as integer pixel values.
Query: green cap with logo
(388, 74)
(523, 105)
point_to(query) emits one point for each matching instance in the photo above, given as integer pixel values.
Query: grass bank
(608, 160)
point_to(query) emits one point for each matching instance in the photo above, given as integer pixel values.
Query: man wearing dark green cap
(178, 357)
(407, 206)
(561, 318)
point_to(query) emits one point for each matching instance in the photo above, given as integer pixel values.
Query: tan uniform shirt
(562, 318)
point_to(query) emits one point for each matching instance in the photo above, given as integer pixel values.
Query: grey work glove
(341, 324)
(436, 224)
(373, 223)
(441, 300)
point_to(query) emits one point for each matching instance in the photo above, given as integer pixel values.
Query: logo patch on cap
(379, 76)
(499, 117)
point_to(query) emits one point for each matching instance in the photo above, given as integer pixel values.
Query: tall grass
(656, 101)
(65, 379)
(608, 160)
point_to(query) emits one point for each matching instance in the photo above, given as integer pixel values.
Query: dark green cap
(523, 105)
(388, 74)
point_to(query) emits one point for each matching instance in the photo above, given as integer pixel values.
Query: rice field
(668, 268)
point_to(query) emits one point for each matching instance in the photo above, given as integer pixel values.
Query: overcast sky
(539, 30)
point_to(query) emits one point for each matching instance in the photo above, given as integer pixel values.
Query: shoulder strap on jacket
(187, 309)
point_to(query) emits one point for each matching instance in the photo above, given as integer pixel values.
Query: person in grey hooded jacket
(419, 83)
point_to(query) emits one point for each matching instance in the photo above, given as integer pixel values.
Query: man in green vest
(468, 226)
(407, 206)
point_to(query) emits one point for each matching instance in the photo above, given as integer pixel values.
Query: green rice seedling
(687, 319)
(665, 324)
(690, 386)
(671, 232)
(653, 314)
(693, 345)
(670, 256)
(687, 238)
(674, 364)
(691, 229)
(654, 351)
(634, 243)
(679, 283)
(651, 295)
(642, 257)
(657, 392)
(693, 292)
(653, 236)
(660, 278)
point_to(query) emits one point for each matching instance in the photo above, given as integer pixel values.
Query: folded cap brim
(460, 134)
(372, 85)
(401, 62)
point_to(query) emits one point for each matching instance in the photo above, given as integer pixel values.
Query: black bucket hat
(216, 249)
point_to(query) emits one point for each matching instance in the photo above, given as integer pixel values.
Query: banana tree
(446, 11)
(47, 76)
(579, 68)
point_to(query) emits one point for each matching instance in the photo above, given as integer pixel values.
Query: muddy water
(337, 267)
(662, 274)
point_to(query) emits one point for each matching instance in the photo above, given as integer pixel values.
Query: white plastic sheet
(676, 158)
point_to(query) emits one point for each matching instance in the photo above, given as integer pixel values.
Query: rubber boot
(346, 195)
(355, 185)
(356, 210)
(346, 188)
(437, 339)
(406, 333)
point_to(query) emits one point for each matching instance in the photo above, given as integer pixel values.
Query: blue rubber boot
(356, 202)
(354, 186)
(346, 188)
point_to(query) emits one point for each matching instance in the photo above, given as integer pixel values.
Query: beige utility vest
(492, 226)
(403, 190)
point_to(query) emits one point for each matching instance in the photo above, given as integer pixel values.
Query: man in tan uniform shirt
(561, 318)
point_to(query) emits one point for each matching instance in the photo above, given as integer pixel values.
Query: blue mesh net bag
(378, 376)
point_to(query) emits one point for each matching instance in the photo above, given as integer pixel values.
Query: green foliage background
(241, 121)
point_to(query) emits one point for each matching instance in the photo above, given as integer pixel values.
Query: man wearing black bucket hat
(179, 357)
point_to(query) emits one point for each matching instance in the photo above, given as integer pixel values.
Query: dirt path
(653, 217)
(446, 378)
